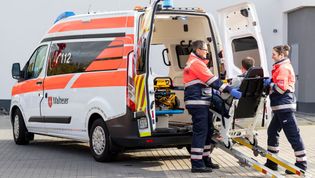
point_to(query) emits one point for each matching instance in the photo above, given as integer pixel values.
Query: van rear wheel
(20, 134)
(100, 143)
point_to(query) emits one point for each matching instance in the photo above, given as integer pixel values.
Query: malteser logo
(57, 100)
(50, 101)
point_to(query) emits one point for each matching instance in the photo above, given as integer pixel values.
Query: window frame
(35, 53)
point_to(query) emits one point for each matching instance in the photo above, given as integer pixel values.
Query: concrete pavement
(55, 157)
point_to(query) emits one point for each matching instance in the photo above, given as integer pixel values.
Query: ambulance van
(115, 79)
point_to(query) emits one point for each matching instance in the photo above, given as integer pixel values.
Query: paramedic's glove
(235, 93)
(267, 82)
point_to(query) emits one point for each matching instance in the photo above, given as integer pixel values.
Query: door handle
(39, 82)
(46, 95)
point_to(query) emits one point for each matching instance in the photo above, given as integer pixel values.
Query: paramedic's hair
(248, 62)
(282, 49)
(198, 44)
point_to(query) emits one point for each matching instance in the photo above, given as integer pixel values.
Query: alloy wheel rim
(16, 126)
(98, 140)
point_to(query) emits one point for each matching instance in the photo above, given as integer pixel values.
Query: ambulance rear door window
(88, 56)
(245, 47)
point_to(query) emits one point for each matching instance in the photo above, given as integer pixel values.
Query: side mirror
(16, 71)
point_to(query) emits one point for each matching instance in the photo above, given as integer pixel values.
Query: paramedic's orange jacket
(283, 80)
(197, 77)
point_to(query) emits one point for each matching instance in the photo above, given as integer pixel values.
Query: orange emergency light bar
(138, 8)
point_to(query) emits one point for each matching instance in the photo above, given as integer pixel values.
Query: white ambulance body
(93, 77)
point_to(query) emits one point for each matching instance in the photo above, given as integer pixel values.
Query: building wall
(304, 38)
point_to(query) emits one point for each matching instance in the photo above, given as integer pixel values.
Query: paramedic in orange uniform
(198, 77)
(283, 106)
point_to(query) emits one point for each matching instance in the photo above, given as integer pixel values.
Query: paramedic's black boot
(301, 165)
(209, 164)
(271, 165)
(198, 170)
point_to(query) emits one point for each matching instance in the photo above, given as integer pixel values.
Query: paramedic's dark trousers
(287, 122)
(202, 132)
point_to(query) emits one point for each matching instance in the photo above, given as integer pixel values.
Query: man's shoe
(199, 170)
(208, 163)
(299, 165)
(212, 166)
(271, 165)
(288, 172)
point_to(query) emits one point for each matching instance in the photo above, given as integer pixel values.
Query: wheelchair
(245, 115)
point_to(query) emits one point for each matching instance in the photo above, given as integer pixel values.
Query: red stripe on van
(101, 79)
(98, 65)
(27, 86)
(112, 22)
(57, 82)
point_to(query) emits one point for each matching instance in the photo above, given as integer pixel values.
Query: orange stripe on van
(107, 65)
(128, 39)
(101, 79)
(26, 87)
(117, 42)
(127, 50)
(112, 22)
(111, 53)
(130, 21)
(57, 82)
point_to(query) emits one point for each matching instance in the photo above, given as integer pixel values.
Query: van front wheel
(100, 143)
(20, 134)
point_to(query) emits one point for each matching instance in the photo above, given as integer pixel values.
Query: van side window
(89, 56)
(36, 63)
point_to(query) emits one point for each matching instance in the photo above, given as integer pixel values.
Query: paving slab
(56, 157)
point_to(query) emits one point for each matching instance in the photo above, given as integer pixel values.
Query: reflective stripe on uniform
(211, 80)
(300, 159)
(298, 153)
(199, 157)
(223, 86)
(279, 90)
(284, 106)
(273, 148)
(193, 82)
(197, 150)
(188, 64)
(207, 153)
(197, 102)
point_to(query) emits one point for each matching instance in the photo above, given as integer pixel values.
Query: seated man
(247, 63)
(217, 101)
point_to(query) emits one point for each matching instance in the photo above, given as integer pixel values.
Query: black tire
(100, 143)
(30, 136)
(20, 134)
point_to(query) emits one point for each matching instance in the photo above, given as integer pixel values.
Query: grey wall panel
(301, 27)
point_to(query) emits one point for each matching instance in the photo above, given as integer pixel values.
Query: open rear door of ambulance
(144, 39)
(242, 38)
